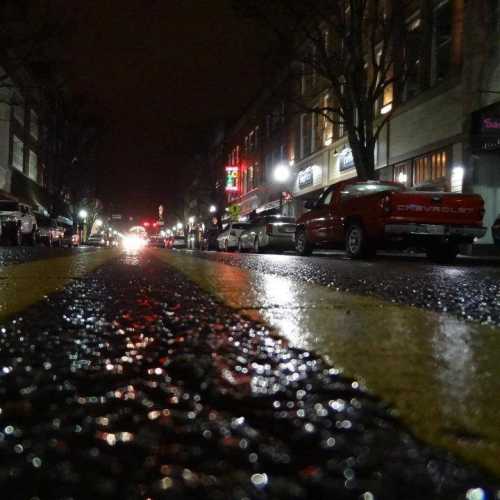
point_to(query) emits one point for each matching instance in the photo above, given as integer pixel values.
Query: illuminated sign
(346, 160)
(232, 179)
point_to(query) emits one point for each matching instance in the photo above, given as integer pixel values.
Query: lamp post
(83, 214)
(281, 174)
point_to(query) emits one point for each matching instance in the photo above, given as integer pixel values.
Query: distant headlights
(8, 218)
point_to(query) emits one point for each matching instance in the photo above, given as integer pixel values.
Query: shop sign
(346, 160)
(232, 179)
(305, 178)
(486, 129)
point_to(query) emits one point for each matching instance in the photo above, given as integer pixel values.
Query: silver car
(271, 232)
(230, 235)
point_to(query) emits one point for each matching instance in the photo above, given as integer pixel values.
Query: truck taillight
(385, 204)
(269, 229)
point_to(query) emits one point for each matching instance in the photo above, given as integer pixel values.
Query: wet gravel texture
(470, 289)
(132, 383)
(21, 254)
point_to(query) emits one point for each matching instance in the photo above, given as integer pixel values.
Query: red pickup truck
(368, 215)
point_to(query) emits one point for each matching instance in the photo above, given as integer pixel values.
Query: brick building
(444, 131)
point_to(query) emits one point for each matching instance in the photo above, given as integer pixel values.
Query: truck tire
(32, 238)
(16, 237)
(356, 243)
(444, 253)
(257, 248)
(302, 245)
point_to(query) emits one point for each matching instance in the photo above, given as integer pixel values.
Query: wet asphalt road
(469, 289)
(10, 255)
(132, 383)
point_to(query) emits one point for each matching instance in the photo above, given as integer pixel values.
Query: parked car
(157, 240)
(18, 222)
(178, 242)
(96, 240)
(270, 232)
(495, 231)
(228, 238)
(49, 231)
(70, 238)
(366, 216)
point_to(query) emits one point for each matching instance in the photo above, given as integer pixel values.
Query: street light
(212, 209)
(281, 174)
(179, 225)
(83, 214)
(191, 220)
(98, 222)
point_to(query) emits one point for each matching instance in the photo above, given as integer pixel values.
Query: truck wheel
(17, 237)
(302, 245)
(256, 246)
(445, 253)
(356, 243)
(32, 238)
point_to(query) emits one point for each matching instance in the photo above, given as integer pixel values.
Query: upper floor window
(34, 126)
(33, 166)
(441, 41)
(17, 153)
(18, 105)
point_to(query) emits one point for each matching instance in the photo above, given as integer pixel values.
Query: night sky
(162, 73)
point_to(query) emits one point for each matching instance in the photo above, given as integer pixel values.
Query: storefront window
(430, 168)
(402, 173)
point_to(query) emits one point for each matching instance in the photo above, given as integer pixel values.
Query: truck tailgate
(436, 208)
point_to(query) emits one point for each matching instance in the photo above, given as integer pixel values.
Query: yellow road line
(22, 285)
(442, 375)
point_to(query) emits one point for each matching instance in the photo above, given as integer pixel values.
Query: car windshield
(239, 226)
(8, 206)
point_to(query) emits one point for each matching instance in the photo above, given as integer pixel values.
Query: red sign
(232, 179)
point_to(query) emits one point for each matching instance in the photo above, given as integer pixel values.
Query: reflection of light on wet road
(439, 372)
(451, 348)
(281, 306)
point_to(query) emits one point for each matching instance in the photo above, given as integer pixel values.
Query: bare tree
(345, 58)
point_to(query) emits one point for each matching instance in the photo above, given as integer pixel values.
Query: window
(364, 189)
(327, 123)
(18, 105)
(413, 55)
(305, 134)
(325, 199)
(250, 179)
(402, 173)
(34, 131)
(17, 153)
(430, 168)
(441, 41)
(33, 166)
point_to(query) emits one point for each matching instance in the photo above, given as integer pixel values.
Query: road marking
(442, 375)
(22, 285)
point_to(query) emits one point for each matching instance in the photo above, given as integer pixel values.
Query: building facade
(444, 131)
(23, 142)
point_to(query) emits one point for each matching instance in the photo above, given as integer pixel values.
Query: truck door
(320, 222)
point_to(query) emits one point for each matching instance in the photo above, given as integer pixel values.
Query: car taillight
(269, 229)
(385, 204)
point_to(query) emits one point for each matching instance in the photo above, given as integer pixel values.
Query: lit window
(17, 153)
(33, 166)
